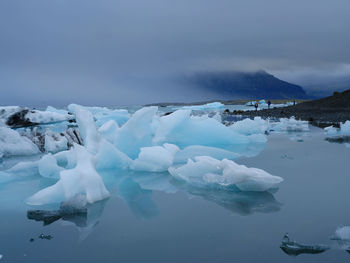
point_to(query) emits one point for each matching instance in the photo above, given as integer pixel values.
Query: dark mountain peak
(247, 85)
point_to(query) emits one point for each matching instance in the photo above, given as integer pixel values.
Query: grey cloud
(126, 52)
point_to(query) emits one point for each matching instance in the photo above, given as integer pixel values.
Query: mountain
(246, 85)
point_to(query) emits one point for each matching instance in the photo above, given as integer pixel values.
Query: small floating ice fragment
(293, 248)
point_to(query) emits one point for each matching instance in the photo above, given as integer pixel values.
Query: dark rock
(168, 113)
(19, 119)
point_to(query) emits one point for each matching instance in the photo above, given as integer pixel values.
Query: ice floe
(290, 125)
(206, 171)
(208, 106)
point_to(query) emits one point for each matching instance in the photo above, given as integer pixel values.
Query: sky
(123, 52)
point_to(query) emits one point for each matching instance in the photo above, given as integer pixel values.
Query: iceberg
(248, 126)
(24, 117)
(206, 171)
(182, 129)
(137, 132)
(109, 157)
(7, 111)
(204, 107)
(344, 130)
(87, 127)
(76, 168)
(55, 142)
(250, 103)
(109, 130)
(196, 149)
(342, 233)
(12, 144)
(290, 125)
(155, 158)
(103, 114)
(48, 167)
(191, 152)
(82, 179)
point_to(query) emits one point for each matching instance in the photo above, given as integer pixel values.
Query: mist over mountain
(246, 85)
(324, 89)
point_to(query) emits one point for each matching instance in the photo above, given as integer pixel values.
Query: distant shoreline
(225, 102)
(330, 110)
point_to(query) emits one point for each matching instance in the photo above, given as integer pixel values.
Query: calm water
(172, 223)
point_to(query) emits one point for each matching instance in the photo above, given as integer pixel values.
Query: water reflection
(338, 139)
(136, 189)
(84, 218)
(139, 200)
(243, 203)
(137, 192)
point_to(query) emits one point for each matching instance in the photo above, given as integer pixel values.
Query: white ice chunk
(12, 143)
(137, 132)
(251, 103)
(344, 130)
(155, 158)
(66, 159)
(206, 171)
(37, 116)
(55, 142)
(262, 102)
(342, 233)
(87, 127)
(119, 116)
(109, 157)
(184, 130)
(53, 109)
(208, 106)
(48, 167)
(7, 111)
(249, 127)
(83, 179)
(109, 130)
(290, 125)
(103, 114)
(197, 150)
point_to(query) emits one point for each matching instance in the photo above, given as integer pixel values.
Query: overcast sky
(112, 52)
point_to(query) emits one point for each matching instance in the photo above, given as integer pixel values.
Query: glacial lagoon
(153, 217)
